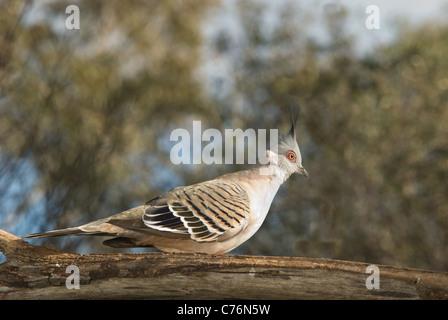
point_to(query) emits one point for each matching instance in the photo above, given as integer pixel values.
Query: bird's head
(288, 156)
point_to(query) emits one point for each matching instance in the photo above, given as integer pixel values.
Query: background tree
(85, 114)
(85, 118)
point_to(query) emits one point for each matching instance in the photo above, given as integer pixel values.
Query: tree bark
(35, 272)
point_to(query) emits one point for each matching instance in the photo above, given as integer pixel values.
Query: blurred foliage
(86, 108)
(85, 118)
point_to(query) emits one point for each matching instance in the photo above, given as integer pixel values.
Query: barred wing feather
(204, 211)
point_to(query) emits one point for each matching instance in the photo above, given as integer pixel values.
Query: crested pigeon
(210, 217)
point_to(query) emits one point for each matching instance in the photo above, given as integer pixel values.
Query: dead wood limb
(34, 272)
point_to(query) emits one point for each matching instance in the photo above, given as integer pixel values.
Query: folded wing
(203, 211)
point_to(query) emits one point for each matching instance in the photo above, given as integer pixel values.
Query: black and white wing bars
(203, 211)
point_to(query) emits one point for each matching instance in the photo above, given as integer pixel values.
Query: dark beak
(303, 172)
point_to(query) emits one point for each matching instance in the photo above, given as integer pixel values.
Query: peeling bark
(36, 272)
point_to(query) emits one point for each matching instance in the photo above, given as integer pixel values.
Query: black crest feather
(294, 115)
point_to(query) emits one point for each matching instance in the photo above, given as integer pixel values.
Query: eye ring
(291, 156)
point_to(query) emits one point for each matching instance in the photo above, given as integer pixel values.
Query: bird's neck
(269, 174)
(264, 180)
(272, 172)
(261, 183)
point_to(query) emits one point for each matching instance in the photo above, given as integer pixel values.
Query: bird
(210, 217)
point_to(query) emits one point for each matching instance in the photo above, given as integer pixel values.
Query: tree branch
(35, 272)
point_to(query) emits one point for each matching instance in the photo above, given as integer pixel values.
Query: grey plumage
(214, 216)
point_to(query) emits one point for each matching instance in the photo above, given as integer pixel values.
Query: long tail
(57, 233)
(74, 231)
(119, 242)
(101, 227)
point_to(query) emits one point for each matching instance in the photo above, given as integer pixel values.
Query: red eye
(291, 156)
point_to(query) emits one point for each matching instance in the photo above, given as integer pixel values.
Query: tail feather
(123, 242)
(127, 221)
(58, 233)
